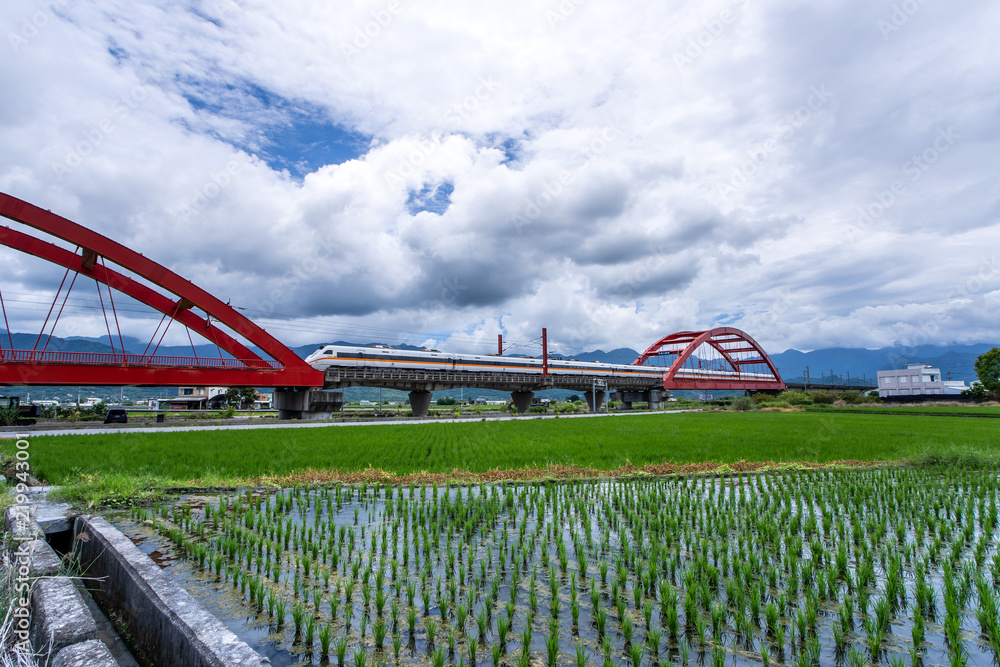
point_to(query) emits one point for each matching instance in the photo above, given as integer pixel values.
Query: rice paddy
(226, 458)
(835, 567)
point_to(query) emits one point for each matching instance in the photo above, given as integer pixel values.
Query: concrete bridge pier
(652, 398)
(307, 403)
(655, 399)
(522, 400)
(420, 402)
(589, 396)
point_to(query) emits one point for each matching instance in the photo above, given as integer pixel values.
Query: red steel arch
(246, 368)
(736, 348)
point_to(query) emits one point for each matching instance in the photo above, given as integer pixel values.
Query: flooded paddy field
(837, 567)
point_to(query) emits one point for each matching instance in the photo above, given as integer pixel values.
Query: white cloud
(607, 179)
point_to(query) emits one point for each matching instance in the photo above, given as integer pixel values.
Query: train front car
(317, 359)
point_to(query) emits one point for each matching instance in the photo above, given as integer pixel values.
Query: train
(380, 356)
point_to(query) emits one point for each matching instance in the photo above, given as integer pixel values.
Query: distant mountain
(955, 361)
(621, 355)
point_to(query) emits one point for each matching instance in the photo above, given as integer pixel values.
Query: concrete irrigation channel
(91, 587)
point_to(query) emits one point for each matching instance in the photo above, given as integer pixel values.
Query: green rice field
(596, 444)
(831, 568)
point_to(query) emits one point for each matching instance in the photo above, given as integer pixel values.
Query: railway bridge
(718, 359)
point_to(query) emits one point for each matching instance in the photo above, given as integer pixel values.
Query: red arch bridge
(717, 359)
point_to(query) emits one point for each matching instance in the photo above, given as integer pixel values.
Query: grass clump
(111, 488)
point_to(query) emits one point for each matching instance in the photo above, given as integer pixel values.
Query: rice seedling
(718, 657)
(552, 644)
(397, 644)
(430, 629)
(473, 644)
(298, 616)
(340, 648)
(325, 635)
(765, 554)
(379, 631)
(310, 623)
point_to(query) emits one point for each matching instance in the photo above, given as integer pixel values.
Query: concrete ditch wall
(168, 625)
(62, 629)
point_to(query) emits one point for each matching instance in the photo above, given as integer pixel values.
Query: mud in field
(373, 475)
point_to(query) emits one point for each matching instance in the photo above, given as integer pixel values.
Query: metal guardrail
(133, 360)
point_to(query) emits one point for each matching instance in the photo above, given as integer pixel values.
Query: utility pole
(848, 379)
(807, 377)
(831, 377)
(545, 351)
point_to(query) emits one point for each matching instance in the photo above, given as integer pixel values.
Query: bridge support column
(655, 399)
(420, 402)
(307, 403)
(522, 400)
(589, 396)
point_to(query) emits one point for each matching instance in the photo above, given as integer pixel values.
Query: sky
(437, 172)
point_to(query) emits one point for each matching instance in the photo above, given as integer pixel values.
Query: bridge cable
(100, 295)
(51, 308)
(114, 312)
(59, 314)
(173, 315)
(5, 323)
(188, 330)
(155, 331)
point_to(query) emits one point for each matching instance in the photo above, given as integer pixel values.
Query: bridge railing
(133, 360)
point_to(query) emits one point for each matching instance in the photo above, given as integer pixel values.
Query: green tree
(988, 370)
(9, 414)
(241, 397)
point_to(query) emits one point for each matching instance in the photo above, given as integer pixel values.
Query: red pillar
(500, 345)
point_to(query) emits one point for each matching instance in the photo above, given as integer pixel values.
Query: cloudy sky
(435, 171)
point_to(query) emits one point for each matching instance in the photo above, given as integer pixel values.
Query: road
(27, 431)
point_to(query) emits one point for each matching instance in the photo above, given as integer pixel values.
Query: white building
(195, 398)
(955, 387)
(914, 380)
